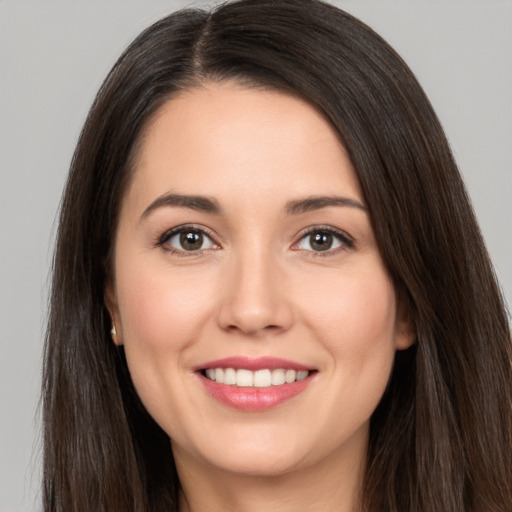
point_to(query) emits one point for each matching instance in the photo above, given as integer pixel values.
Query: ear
(405, 329)
(113, 309)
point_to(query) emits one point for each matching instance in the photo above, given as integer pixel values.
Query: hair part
(441, 438)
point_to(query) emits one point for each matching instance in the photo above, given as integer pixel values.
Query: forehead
(261, 143)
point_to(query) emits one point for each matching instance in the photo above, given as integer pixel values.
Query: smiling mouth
(254, 384)
(263, 378)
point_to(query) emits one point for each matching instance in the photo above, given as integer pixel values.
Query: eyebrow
(211, 205)
(198, 203)
(318, 202)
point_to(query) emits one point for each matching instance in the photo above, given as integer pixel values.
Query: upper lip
(253, 364)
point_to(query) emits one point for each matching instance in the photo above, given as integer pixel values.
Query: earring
(113, 333)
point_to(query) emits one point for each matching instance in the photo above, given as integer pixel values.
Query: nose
(255, 301)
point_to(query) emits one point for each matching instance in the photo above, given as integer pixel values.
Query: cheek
(354, 312)
(163, 312)
(161, 309)
(356, 321)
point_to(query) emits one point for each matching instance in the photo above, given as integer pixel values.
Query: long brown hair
(441, 438)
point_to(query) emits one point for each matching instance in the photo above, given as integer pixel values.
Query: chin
(261, 463)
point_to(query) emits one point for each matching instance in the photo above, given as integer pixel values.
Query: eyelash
(163, 240)
(345, 241)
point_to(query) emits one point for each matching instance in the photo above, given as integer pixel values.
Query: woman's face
(244, 253)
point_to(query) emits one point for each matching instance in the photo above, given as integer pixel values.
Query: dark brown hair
(441, 438)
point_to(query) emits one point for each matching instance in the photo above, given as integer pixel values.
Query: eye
(323, 240)
(187, 239)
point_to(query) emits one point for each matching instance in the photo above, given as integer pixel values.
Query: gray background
(53, 57)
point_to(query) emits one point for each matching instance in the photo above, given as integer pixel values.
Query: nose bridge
(254, 298)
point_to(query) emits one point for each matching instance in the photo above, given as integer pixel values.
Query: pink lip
(247, 363)
(252, 398)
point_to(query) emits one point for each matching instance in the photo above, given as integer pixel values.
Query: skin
(258, 288)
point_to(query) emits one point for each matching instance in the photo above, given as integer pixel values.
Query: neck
(330, 485)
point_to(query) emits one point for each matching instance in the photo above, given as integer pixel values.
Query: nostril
(254, 330)
(254, 308)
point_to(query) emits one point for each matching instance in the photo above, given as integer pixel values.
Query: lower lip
(252, 398)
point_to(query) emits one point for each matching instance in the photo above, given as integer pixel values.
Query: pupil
(321, 241)
(191, 240)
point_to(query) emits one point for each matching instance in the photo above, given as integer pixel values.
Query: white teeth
(259, 379)
(262, 379)
(290, 376)
(301, 375)
(229, 376)
(278, 377)
(244, 378)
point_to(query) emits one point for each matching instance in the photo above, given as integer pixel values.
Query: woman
(269, 286)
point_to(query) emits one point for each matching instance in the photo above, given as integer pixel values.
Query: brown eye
(191, 240)
(322, 240)
(188, 240)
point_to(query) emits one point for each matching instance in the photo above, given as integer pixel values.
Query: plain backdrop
(53, 57)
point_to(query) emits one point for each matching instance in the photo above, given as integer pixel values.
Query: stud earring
(113, 333)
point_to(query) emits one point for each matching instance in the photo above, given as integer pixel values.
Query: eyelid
(167, 235)
(347, 242)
